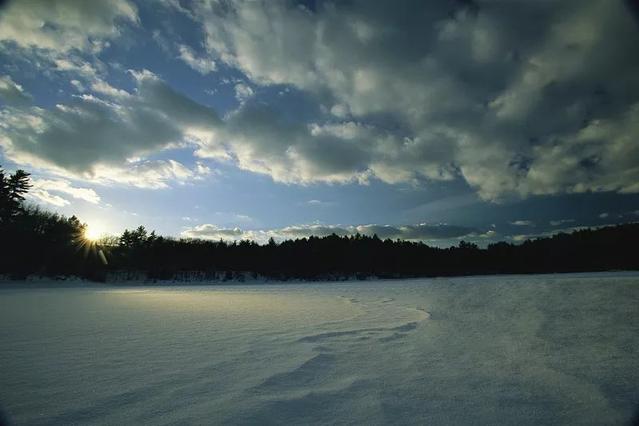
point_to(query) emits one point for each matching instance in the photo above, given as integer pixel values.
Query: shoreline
(77, 282)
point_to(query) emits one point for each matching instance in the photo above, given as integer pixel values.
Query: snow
(545, 349)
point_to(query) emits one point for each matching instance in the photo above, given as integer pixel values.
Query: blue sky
(427, 120)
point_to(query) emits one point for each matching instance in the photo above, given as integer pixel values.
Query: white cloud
(202, 169)
(319, 203)
(212, 232)
(243, 92)
(523, 237)
(65, 187)
(202, 65)
(420, 232)
(43, 188)
(340, 110)
(88, 75)
(105, 88)
(490, 234)
(522, 223)
(63, 25)
(70, 63)
(48, 198)
(147, 174)
(12, 93)
(78, 85)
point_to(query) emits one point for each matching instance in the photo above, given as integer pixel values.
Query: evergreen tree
(12, 190)
(34, 241)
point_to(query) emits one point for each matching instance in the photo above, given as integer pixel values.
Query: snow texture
(520, 350)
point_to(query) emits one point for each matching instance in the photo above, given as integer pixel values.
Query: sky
(431, 121)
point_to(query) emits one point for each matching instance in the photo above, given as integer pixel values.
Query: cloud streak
(48, 190)
(419, 232)
(12, 93)
(201, 65)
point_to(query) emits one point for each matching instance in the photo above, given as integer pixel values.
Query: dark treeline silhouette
(38, 242)
(35, 241)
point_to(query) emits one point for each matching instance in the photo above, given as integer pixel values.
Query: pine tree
(19, 184)
(12, 190)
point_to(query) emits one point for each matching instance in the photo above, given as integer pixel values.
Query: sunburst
(93, 232)
(89, 241)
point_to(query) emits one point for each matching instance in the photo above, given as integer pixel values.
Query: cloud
(74, 64)
(489, 95)
(48, 198)
(561, 222)
(433, 91)
(105, 88)
(148, 174)
(95, 139)
(523, 237)
(419, 232)
(43, 188)
(243, 92)
(261, 140)
(319, 203)
(340, 110)
(523, 223)
(598, 157)
(63, 25)
(212, 232)
(202, 65)
(12, 93)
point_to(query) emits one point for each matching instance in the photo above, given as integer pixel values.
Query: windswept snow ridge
(479, 350)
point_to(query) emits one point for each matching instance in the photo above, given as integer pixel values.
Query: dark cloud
(490, 93)
(90, 135)
(514, 98)
(560, 222)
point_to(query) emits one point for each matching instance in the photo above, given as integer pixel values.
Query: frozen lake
(553, 349)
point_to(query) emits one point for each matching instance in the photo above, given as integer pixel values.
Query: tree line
(35, 241)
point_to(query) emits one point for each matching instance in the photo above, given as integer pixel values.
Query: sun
(93, 232)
